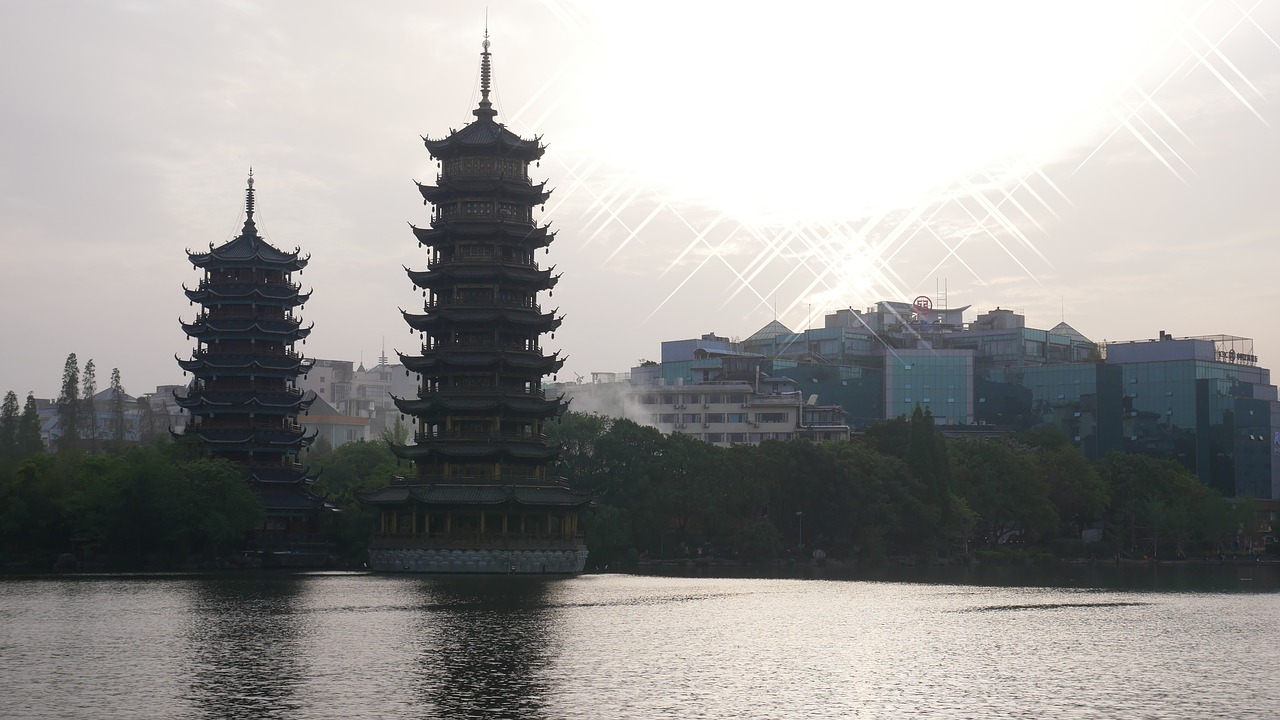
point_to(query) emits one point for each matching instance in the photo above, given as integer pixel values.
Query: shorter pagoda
(243, 401)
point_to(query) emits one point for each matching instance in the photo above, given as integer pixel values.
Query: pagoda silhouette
(243, 400)
(484, 496)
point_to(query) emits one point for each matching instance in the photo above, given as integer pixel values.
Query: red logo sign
(922, 305)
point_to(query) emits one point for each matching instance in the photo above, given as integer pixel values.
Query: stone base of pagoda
(490, 561)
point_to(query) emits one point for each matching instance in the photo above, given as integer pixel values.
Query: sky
(715, 165)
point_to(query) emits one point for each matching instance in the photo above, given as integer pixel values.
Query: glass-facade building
(1204, 401)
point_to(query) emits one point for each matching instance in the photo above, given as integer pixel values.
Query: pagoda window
(473, 382)
(445, 210)
(473, 166)
(512, 168)
(483, 339)
(477, 251)
(475, 295)
(472, 427)
(477, 207)
(512, 211)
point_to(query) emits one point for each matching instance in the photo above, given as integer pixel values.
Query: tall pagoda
(243, 400)
(483, 496)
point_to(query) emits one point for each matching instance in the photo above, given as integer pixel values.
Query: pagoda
(243, 400)
(483, 497)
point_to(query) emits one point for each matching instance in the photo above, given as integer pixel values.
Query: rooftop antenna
(382, 359)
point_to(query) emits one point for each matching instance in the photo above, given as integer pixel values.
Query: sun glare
(829, 111)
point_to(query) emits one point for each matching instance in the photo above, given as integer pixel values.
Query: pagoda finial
(486, 107)
(249, 227)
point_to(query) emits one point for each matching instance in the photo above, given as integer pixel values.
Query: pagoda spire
(249, 227)
(485, 110)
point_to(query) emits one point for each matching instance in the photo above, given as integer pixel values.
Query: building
(242, 401)
(483, 498)
(358, 392)
(711, 389)
(1202, 401)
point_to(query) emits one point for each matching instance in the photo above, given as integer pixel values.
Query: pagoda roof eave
(443, 230)
(541, 279)
(515, 360)
(439, 403)
(544, 322)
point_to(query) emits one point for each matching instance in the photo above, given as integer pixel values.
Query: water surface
(251, 645)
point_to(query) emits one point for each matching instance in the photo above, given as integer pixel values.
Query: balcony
(456, 541)
(482, 302)
(485, 437)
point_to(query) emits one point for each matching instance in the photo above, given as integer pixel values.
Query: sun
(830, 111)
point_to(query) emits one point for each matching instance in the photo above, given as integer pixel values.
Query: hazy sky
(714, 163)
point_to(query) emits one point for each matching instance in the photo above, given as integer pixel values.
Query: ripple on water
(615, 646)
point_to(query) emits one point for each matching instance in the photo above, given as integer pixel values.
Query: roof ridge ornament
(485, 109)
(250, 228)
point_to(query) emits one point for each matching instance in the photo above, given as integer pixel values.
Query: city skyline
(1081, 162)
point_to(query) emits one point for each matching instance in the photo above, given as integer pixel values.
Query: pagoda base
(488, 561)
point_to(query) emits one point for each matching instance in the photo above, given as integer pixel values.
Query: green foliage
(69, 406)
(9, 427)
(117, 407)
(89, 413)
(143, 506)
(608, 532)
(1158, 508)
(352, 467)
(1001, 483)
(28, 440)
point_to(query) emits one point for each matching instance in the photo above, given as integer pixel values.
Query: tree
(1075, 488)
(147, 429)
(28, 440)
(117, 406)
(397, 433)
(89, 415)
(69, 406)
(1002, 484)
(9, 427)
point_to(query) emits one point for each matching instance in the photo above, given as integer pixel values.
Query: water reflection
(484, 644)
(242, 640)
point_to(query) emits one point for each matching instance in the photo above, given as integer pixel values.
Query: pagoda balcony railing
(456, 302)
(243, 312)
(486, 437)
(290, 466)
(206, 284)
(208, 389)
(481, 260)
(229, 384)
(246, 351)
(488, 345)
(507, 481)
(480, 174)
(516, 218)
(456, 391)
(493, 540)
(241, 315)
(244, 427)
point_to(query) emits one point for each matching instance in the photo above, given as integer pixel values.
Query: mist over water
(1190, 642)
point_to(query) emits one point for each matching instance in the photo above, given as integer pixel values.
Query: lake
(1083, 642)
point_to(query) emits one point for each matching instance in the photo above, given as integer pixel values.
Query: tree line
(900, 490)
